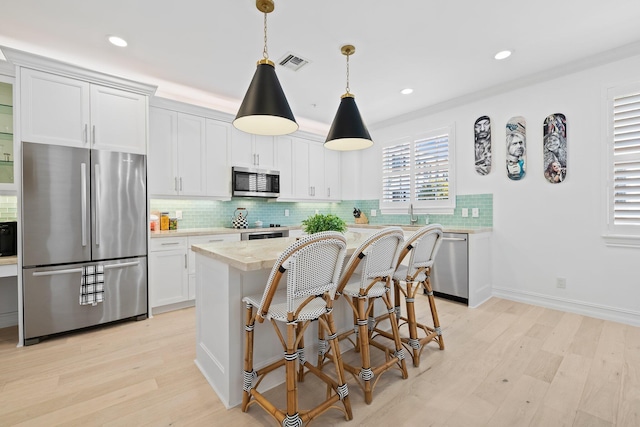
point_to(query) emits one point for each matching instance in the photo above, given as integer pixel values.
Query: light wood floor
(505, 364)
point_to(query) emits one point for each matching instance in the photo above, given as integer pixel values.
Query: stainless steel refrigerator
(84, 238)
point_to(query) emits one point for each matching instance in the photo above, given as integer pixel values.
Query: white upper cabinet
(65, 111)
(284, 165)
(188, 155)
(252, 151)
(192, 155)
(332, 173)
(218, 171)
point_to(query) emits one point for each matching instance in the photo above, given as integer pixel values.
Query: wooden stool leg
(396, 338)
(300, 333)
(396, 298)
(366, 373)
(322, 347)
(434, 312)
(414, 342)
(248, 358)
(290, 358)
(343, 390)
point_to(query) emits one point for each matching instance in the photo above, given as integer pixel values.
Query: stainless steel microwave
(249, 182)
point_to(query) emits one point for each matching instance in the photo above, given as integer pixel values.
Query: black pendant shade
(265, 110)
(348, 131)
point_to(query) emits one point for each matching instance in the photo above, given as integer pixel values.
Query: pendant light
(265, 110)
(348, 131)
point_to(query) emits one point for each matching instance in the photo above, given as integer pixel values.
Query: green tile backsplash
(8, 208)
(209, 213)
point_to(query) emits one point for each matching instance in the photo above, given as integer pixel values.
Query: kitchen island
(228, 271)
(225, 273)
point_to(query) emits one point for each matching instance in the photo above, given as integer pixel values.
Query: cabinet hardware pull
(122, 265)
(93, 134)
(180, 183)
(169, 244)
(98, 195)
(83, 201)
(86, 133)
(175, 183)
(185, 260)
(56, 272)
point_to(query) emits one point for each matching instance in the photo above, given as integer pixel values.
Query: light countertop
(224, 230)
(251, 255)
(8, 260)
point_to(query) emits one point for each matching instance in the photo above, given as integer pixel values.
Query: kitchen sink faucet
(412, 218)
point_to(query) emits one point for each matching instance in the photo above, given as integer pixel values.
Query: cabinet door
(242, 149)
(191, 155)
(316, 171)
(168, 277)
(284, 156)
(54, 109)
(301, 186)
(263, 149)
(118, 120)
(162, 168)
(218, 170)
(332, 170)
(6, 134)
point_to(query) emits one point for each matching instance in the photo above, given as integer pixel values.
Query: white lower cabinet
(168, 271)
(172, 282)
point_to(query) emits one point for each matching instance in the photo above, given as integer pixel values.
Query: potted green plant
(323, 222)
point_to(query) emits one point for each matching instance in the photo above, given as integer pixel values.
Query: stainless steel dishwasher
(450, 276)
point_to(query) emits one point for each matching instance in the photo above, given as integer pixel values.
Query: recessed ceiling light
(117, 41)
(406, 91)
(503, 54)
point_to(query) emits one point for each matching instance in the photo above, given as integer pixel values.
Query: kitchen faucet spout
(412, 218)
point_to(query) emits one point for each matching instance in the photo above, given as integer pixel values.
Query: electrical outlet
(286, 212)
(373, 212)
(561, 283)
(178, 214)
(475, 212)
(465, 212)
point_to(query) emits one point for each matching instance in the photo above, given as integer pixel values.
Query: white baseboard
(8, 319)
(599, 311)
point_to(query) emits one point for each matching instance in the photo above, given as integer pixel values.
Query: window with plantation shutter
(396, 173)
(418, 171)
(624, 161)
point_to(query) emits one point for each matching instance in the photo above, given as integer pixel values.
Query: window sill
(417, 211)
(621, 241)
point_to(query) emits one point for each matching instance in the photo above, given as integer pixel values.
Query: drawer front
(167, 243)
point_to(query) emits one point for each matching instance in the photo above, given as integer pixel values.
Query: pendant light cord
(265, 53)
(347, 88)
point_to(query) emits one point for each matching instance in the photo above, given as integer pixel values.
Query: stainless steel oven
(249, 182)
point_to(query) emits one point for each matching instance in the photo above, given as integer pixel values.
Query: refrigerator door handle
(97, 181)
(57, 272)
(83, 201)
(122, 265)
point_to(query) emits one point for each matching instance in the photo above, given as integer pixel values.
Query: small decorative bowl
(258, 224)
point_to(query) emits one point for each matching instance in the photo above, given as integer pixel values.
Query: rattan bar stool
(422, 248)
(312, 266)
(367, 278)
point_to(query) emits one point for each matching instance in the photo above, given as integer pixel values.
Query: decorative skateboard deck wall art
(482, 144)
(554, 148)
(516, 148)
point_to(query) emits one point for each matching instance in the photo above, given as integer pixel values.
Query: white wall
(543, 231)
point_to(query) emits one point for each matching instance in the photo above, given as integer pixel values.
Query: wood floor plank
(505, 363)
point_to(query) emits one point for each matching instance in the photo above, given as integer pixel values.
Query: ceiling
(205, 52)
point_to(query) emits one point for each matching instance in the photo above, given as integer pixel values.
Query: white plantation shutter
(418, 171)
(626, 160)
(431, 165)
(396, 173)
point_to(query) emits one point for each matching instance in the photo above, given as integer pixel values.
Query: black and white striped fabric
(92, 285)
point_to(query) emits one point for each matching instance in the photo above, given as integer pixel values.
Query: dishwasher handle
(455, 239)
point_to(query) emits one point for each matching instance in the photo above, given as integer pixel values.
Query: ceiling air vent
(292, 61)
